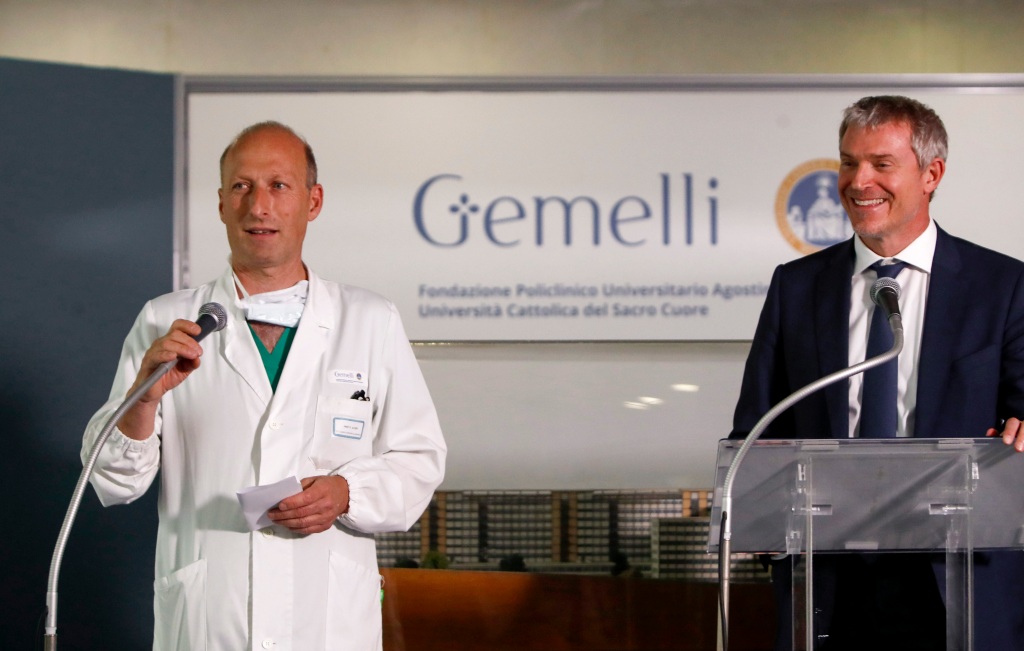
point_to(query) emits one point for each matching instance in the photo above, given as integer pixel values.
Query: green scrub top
(273, 362)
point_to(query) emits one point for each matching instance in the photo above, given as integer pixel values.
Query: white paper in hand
(257, 500)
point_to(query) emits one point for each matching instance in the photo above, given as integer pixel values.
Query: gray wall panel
(86, 181)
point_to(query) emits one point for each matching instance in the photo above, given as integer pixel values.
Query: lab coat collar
(310, 342)
(236, 344)
(319, 303)
(311, 338)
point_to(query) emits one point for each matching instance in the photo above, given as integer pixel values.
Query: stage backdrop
(587, 211)
(595, 253)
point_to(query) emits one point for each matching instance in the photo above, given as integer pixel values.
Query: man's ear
(316, 201)
(933, 174)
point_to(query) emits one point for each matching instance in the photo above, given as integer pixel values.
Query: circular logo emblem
(807, 207)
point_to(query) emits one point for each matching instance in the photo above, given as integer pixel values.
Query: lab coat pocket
(181, 609)
(343, 431)
(353, 606)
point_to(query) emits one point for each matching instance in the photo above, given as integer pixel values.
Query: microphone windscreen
(881, 284)
(212, 317)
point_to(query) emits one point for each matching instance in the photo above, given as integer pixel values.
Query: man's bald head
(270, 125)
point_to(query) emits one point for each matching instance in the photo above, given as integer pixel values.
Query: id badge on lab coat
(343, 430)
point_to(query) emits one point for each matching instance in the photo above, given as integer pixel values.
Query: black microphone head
(217, 311)
(882, 284)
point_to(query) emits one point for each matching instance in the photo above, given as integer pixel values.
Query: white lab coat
(220, 587)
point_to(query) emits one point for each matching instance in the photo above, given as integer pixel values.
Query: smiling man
(309, 379)
(960, 373)
(885, 186)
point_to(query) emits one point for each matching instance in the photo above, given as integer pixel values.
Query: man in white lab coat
(310, 379)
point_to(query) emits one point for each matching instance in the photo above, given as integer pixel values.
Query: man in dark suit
(960, 373)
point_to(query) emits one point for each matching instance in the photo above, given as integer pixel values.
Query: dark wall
(86, 187)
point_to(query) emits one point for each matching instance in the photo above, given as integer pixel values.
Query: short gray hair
(928, 137)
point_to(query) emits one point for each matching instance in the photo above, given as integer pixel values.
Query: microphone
(885, 293)
(212, 317)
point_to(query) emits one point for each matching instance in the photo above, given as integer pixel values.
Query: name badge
(341, 376)
(349, 428)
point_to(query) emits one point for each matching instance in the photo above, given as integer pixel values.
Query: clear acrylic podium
(808, 497)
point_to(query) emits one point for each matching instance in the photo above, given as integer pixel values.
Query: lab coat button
(268, 532)
(275, 424)
(268, 643)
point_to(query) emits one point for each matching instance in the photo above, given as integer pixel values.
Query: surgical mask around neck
(282, 307)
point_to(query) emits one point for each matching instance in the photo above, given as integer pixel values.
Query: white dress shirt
(913, 281)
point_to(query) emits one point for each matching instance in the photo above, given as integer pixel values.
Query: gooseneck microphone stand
(210, 311)
(725, 539)
(50, 631)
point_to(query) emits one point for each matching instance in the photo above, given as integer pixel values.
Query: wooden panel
(428, 610)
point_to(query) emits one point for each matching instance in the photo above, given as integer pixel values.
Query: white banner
(585, 215)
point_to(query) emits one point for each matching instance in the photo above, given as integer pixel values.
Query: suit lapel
(946, 290)
(832, 330)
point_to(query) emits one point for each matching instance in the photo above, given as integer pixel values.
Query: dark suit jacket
(970, 374)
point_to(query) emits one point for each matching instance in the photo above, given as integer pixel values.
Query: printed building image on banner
(808, 210)
(575, 216)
